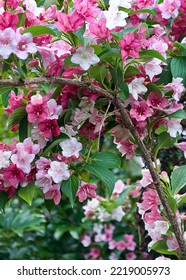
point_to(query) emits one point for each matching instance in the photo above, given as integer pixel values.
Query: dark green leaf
(131, 71)
(124, 93)
(151, 54)
(178, 68)
(148, 10)
(172, 203)
(17, 115)
(98, 72)
(161, 247)
(180, 114)
(5, 96)
(49, 204)
(23, 129)
(106, 159)
(178, 179)
(104, 174)
(120, 35)
(54, 143)
(3, 200)
(27, 193)
(70, 187)
(164, 141)
(109, 55)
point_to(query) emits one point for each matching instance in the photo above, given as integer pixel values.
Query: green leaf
(3, 200)
(124, 93)
(180, 114)
(80, 32)
(48, 3)
(124, 194)
(37, 30)
(106, 159)
(153, 87)
(178, 179)
(120, 35)
(109, 55)
(23, 129)
(182, 200)
(131, 71)
(27, 193)
(104, 174)
(49, 204)
(70, 187)
(161, 247)
(98, 72)
(5, 96)
(164, 141)
(179, 45)
(148, 10)
(148, 54)
(178, 68)
(54, 143)
(172, 203)
(17, 115)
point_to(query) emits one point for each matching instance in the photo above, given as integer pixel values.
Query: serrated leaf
(178, 68)
(27, 193)
(106, 159)
(17, 115)
(105, 175)
(178, 179)
(70, 187)
(151, 54)
(37, 30)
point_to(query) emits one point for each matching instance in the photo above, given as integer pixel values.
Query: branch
(127, 121)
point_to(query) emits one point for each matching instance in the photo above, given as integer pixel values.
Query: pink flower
(85, 240)
(94, 253)
(54, 110)
(136, 87)
(121, 245)
(4, 159)
(173, 107)
(87, 9)
(8, 20)
(130, 256)
(152, 216)
(182, 146)
(150, 199)
(174, 127)
(127, 148)
(49, 128)
(13, 175)
(86, 190)
(129, 46)
(177, 87)
(157, 101)
(119, 187)
(140, 110)
(130, 244)
(99, 29)
(70, 22)
(153, 68)
(54, 193)
(173, 244)
(37, 109)
(58, 171)
(7, 42)
(25, 45)
(169, 8)
(112, 244)
(71, 147)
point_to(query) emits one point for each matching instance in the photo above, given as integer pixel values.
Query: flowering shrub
(76, 74)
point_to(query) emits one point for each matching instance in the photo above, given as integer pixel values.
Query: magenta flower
(54, 193)
(37, 109)
(127, 148)
(70, 22)
(86, 190)
(157, 101)
(140, 110)
(8, 20)
(13, 175)
(49, 128)
(129, 46)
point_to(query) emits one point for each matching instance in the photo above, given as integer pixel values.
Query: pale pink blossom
(54, 110)
(4, 159)
(173, 107)
(119, 187)
(8, 42)
(44, 181)
(115, 18)
(136, 87)
(58, 171)
(118, 214)
(156, 230)
(182, 146)
(85, 240)
(169, 8)
(68, 130)
(85, 57)
(39, 136)
(153, 68)
(177, 87)
(121, 245)
(127, 148)
(91, 206)
(25, 45)
(162, 258)
(79, 116)
(23, 160)
(54, 193)
(71, 147)
(172, 244)
(120, 3)
(174, 127)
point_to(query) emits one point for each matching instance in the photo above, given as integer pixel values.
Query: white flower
(58, 171)
(136, 87)
(120, 3)
(174, 126)
(71, 147)
(68, 129)
(85, 57)
(153, 68)
(4, 159)
(115, 18)
(118, 214)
